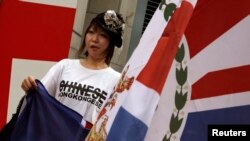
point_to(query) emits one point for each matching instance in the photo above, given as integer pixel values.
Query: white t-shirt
(81, 89)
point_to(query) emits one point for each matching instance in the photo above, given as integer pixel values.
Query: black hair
(112, 23)
(110, 49)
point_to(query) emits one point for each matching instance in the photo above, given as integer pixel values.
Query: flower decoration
(112, 21)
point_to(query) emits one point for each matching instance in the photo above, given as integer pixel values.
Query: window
(150, 10)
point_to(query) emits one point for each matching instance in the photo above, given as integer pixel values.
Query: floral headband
(112, 21)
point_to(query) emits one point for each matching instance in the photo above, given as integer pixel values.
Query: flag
(208, 83)
(130, 108)
(43, 118)
(31, 30)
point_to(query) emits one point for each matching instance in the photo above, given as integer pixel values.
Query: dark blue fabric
(127, 127)
(46, 119)
(196, 128)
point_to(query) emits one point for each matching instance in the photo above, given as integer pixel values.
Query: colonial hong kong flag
(209, 79)
(31, 32)
(128, 113)
(44, 118)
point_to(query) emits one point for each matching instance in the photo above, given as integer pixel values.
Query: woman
(85, 84)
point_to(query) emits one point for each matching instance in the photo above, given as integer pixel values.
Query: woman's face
(97, 42)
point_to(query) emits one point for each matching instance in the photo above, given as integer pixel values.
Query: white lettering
(216, 132)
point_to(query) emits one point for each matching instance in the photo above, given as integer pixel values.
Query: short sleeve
(51, 79)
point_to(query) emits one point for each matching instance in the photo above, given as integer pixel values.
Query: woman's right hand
(29, 83)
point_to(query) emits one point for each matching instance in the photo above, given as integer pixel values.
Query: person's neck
(94, 63)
